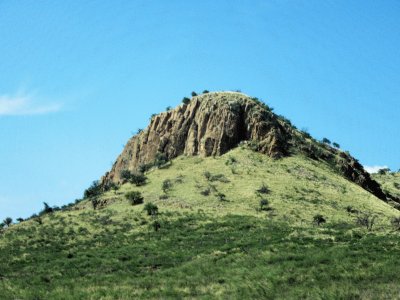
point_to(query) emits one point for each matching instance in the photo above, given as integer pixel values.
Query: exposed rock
(214, 123)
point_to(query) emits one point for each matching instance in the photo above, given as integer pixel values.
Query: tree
(151, 209)
(205, 92)
(185, 100)
(134, 197)
(194, 94)
(383, 171)
(336, 145)
(319, 219)
(20, 220)
(168, 108)
(326, 141)
(47, 209)
(93, 190)
(8, 221)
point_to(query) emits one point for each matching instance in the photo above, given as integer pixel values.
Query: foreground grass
(207, 248)
(198, 256)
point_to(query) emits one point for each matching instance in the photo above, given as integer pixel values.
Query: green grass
(207, 248)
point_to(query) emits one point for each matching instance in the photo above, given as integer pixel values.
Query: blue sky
(79, 77)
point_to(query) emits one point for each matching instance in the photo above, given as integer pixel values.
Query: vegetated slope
(241, 225)
(213, 123)
(390, 183)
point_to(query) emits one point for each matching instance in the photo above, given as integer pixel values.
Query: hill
(247, 222)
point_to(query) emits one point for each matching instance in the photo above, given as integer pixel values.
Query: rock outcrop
(214, 123)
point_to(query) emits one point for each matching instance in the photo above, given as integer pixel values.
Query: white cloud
(22, 104)
(374, 169)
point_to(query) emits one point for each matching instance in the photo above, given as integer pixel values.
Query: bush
(264, 204)
(194, 94)
(160, 160)
(367, 220)
(156, 225)
(138, 179)
(319, 219)
(134, 197)
(93, 190)
(206, 92)
(351, 210)
(163, 197)
(185, 100)
(326, 141)
(95, 203)
(205, 192)
(336, 145)
(216, 177)
(166, 185)
(168, 108)
(207, 175)
(151, 209)
(46, 210)
(263, 189)
(396, 223)
(221, 196)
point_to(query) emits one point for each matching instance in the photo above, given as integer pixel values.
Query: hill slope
(210, 239)
(213, 123)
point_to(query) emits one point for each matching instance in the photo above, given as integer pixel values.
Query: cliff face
(212, 124)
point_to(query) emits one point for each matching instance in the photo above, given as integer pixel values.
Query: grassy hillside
(211, 239)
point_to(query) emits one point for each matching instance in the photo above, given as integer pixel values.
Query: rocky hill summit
(211, 124)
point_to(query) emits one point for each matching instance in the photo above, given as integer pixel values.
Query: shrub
(396, 223)
(166, 185)
(156, 225)
(367, 220)
(351, 210)
(230, 161)
(134, 197)
(216, 177)
(95, 203)
(194, 94)
(207, 175)
(319, 219)
(8, 221)
(185, 100)
(46, 210)
(205, 192)
(336, 145)
(139, 130)
(163, 197)
(20, 220)
(160, 159)
(93, 190)
(168, 108)
(221, 196)
(383, 171)
(264, 204)
(263, 189)
(151, 209)
(205, 92)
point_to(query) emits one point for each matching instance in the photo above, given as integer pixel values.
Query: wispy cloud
(374, 169)
(25, 104)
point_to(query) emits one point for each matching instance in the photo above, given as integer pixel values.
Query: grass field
(210, 239)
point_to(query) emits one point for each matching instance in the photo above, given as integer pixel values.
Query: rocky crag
(214, 123)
